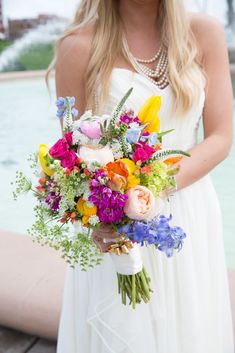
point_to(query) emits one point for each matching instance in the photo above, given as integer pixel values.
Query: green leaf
(120, 105)
(159, 155)
(163, 133)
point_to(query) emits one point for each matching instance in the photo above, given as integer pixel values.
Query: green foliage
(163, 154)
(37, 57)
(74, 247)
(4, 43)
(111, 131)
(22, 185)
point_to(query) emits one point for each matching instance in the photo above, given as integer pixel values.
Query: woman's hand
(103, 237)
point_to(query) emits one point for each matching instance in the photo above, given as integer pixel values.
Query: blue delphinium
(157, 232)
(61, 105)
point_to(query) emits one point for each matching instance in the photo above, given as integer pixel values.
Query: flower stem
(136, 287)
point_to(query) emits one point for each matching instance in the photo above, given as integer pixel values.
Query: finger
(106, 228)
(104, 247)
(110, 235)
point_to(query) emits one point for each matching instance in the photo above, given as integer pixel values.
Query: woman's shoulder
(75, 48)
(79, 39)
(207, 30)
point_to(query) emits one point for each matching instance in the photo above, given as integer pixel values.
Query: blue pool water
(28, 119)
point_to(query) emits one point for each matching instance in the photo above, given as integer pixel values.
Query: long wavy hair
(185, 74)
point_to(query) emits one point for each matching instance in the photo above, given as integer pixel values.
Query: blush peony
(141, 204)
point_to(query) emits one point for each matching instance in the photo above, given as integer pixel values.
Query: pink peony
(69, 160)
(59, 149)
(141, 204)
(143, 152)
(91, 129)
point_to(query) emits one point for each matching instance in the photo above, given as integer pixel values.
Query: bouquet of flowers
(106, 170)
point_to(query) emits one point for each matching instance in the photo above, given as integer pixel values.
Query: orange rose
(118, 174)
(117, 182)
(117, 167)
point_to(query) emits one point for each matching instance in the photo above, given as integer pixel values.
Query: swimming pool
(28, 119)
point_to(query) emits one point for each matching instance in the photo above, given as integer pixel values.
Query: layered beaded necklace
(158, 75)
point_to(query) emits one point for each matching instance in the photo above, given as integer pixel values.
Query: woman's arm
(72, 59)
(217, 117)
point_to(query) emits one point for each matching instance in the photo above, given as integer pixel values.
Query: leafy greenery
(75, 247)
(4, 43)
(35, 57)
(22, 185)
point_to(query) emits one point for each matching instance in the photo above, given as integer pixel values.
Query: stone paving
(12, 341)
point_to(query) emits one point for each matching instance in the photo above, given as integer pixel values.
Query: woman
(97, 62)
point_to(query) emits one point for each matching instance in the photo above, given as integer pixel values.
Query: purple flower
(61, 102)
(126, 119)
(157, 232)
(136, 120)
(109, 203)
(53, 195)
(62, 106)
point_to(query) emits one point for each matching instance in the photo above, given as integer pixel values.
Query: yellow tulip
(132, 180)
(148, 114)
(43, 152)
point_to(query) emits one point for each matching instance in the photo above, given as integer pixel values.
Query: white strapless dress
(190, 308)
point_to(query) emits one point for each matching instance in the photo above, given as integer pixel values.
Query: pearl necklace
(158, 75)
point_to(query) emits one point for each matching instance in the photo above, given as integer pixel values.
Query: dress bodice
(186, 127)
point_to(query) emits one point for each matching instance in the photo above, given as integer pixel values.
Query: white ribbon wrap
(128, 264)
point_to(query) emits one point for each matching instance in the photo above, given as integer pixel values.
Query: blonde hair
(186, 77)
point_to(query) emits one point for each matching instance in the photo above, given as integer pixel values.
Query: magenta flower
(68, 137)
(143, 152)
(110, 204)
(128, 118)
(59, 149)
(53, 195)
(69, 160)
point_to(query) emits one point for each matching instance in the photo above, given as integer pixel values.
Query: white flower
(102, 155)
(89, 204)
(87, 115)
(94, 142)
(93, 165)
(56, 162)
(76, 125)
(117, 151)
(93, 220)
(79, 138)
(86, 192)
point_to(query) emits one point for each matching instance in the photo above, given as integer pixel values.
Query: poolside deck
(12, 341)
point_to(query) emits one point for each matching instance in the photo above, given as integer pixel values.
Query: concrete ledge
(15, 75)
(31, 285)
